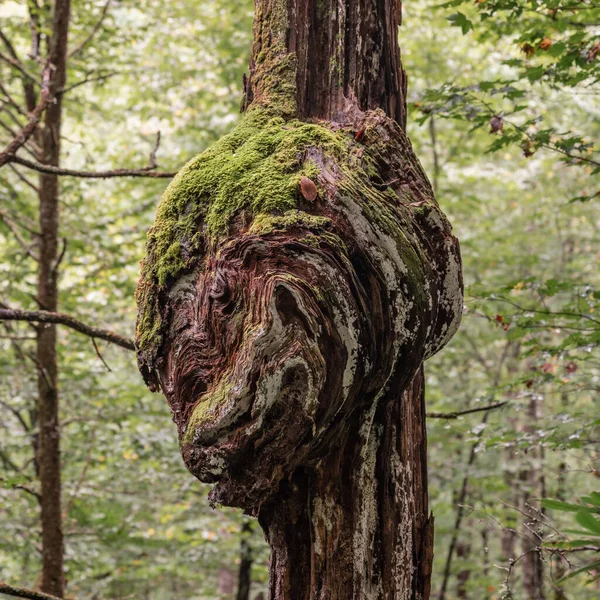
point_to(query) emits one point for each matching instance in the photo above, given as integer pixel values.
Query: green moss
(268, 223)
(207, 404)
(255, 170)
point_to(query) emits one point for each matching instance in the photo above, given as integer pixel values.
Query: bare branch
(26, 489)
(9, 46)
(94, 31)
(29, 80)
(11, 590)
(144, 172)
(100, 356)
(12, 101)
(23, 178)
(16, 64)
(13, 228)
(43, 316)
(36, 115)
(460, 413)
(88, 79)
(152, 161)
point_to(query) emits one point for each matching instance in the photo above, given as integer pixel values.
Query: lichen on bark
(287, 320)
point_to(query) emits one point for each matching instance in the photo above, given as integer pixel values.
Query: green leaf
(460, 20)
(593, 565)
(587, 520)
(562, 506)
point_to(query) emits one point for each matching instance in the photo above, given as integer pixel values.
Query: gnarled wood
(298, 274)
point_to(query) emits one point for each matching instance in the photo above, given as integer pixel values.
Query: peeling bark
(286, 321)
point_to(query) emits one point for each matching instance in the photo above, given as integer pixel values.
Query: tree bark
(357, 524)
(47, 364)
(346, 56)
(289, 334)
(531, 476)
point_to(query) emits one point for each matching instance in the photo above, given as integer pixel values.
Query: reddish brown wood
(290, 344)
(346, 56)
(48, 455)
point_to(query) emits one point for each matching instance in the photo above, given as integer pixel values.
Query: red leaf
(496, 124)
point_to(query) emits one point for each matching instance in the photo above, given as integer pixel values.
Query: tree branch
(28, 80)
(144, 172)
(12, 227)
(43, 316)
(460, 413)
(27, 131)
(94, 31)
(25, 489)
(10, 590)
(18, 66)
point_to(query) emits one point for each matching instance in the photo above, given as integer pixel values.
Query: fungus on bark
(287, 330)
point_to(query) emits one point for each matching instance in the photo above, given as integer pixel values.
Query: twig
(23, 178)
(144, 172)
(27, 131)
(88, 79)
(60, 257)
(25, 489)
(94, 31)
(12, 101)
(43, 316)
(460, 413)
(152, 161)
(11, 226)
(13, 62)
(11, 590)
(100, 356)
(81, 479)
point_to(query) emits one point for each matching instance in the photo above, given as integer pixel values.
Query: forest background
(504, 108)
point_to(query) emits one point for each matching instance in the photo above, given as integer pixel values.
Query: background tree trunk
(49, 438)
(246, 560)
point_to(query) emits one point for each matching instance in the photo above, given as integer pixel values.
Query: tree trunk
(345, 55)
(463, 551)
(297, 275)
(357, 525)
(49, 438)
(531, 477)
(246, 560)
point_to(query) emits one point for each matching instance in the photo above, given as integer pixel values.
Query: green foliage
(587, 515)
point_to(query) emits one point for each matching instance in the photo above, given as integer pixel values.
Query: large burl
(297, 275)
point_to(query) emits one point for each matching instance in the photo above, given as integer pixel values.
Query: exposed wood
(289, 339)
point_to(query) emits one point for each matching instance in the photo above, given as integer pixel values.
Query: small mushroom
(308, 188)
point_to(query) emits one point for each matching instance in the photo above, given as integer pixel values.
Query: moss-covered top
(256, 169)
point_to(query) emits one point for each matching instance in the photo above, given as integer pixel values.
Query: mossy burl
(257, 169)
